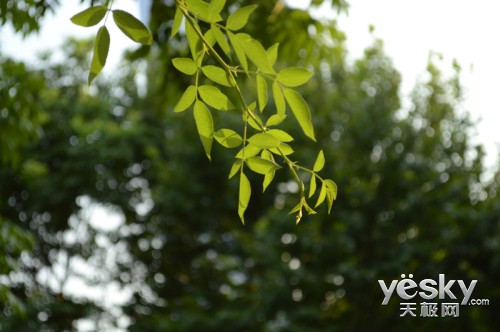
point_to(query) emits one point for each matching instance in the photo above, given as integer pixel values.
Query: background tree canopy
(411, 194)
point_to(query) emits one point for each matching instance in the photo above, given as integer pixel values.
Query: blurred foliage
(412, 199)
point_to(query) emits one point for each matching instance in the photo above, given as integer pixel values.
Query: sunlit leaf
(293, 76)
(331, 193)
(244, 196)
(261, 165)
(239, 18)
(301, 112)
(264, 141)
(210, 37)
(268, 177)
(284, 148)
(193, 39)
(235, 168)
(238, 50)
(320, 162)
(221, 40)
(215, 98)
(185, 65)
(132, 27)
(228, 138)
(283, 136)
(312, 186)
(272, 53)
(275, 120)
(101, 48)
(248, 151)
(90, 16)
(216, 74)
(261, 92)
(204, 125)
(200, 8)
(322, 195)
(279, 99)
(177, 22)
(215, 9)
(255, 52)
(186, 99)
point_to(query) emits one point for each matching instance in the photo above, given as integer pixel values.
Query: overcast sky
(457, 29)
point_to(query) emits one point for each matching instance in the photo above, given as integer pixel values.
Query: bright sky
(459, 30)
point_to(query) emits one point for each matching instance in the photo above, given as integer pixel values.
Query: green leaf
(275, 120)
(261, 92)
(101, 48)
(216, 74)
(244, 197)
(199, 8)
(255, 52)
(210, 37)
(293, 76)
(320, 162)
(205, 126)
(215, 98)
(268, 177)
(90, 16)
(235, 168)
(272, 53)
(283, 136)
(285, 148)
(301, 112)
(239, 18)
(186, 99)
(228, 138)
(312, 186)
(279, 100)
(238, 50)
(248, 151)
(193, 39)
(331, 193)
(185, 65)
(177, 22)
(322, 195)
(132, 27)
(221, 39)
(215, 9)
(261, 165)
(264, 141)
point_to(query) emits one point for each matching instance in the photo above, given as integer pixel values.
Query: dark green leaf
(90, 16)
(101, 48)
(132, 27)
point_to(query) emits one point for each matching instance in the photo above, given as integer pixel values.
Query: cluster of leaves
(257, 150)
(127, 23)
